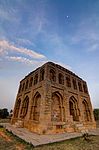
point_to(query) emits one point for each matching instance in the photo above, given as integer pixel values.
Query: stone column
(91, 109)
(66, 100)
(80, 109)
(47, 96)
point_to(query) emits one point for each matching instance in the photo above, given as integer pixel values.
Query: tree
(96, 114)
(4, 113)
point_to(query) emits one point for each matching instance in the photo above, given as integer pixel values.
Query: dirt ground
(11, 142)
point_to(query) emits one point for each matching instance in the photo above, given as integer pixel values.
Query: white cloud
(25, 60)
(5, 46)
(20, 59)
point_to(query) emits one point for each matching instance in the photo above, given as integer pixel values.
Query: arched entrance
(24, 108)
(73, 107)
(35, 108)
(86, 111)
(57, 109)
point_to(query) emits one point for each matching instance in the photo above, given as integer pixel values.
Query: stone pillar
(66, 100)
(91, 109)
(47, 96)
(42, 108)
(80, 109)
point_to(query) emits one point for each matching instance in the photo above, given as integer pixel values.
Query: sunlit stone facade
(52, 99)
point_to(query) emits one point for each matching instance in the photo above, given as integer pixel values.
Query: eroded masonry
(52, 99)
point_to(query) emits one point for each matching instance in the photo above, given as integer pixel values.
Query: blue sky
(35, 31)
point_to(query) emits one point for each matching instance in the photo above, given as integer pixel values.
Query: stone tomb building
(52, 99)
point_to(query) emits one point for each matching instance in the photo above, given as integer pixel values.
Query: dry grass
(5, 120)
(73, 144)
(10, 142)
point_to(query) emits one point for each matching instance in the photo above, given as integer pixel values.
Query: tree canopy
(4, 113)
(96, 114)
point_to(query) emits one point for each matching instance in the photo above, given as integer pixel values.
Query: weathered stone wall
(52, 99)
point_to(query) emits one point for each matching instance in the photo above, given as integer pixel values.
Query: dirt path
(18, 146)
(3, 135)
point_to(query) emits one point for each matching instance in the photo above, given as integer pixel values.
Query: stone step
(19, 124)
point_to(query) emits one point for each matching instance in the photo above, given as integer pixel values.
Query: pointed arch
(24, 108)
(31, 82)
(57, 107)
(68, 81)
(74, 84)
(86, 111)
(36, 79)
(35, 108)
(52, 75)
(42, 73)
(61, 78)
(73, 108)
